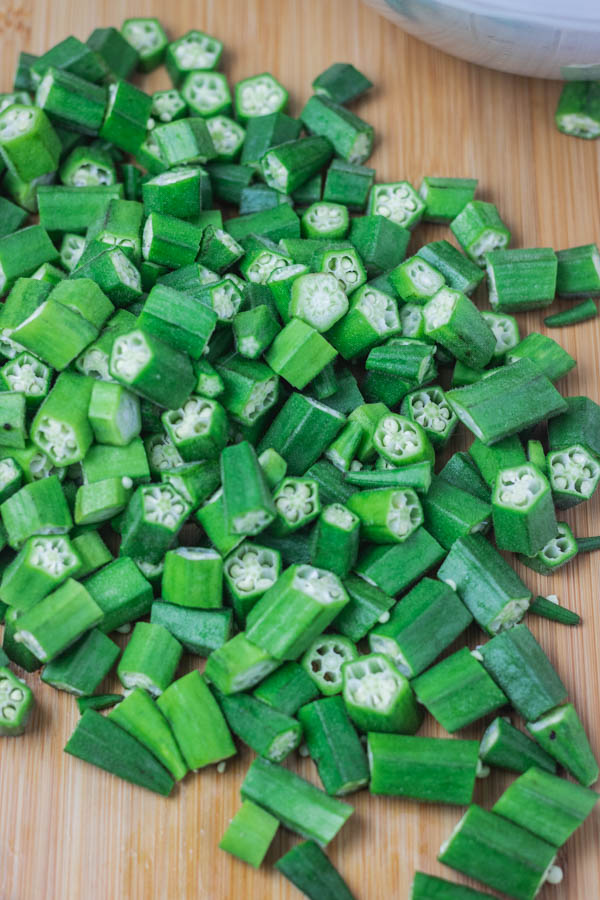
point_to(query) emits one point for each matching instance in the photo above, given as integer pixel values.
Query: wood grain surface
(68, 831)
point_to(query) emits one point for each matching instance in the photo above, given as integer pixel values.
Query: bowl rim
(547, 12)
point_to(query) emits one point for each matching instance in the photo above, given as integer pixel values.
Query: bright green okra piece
(150, 659)
(266, 730)
(414, 475)
(491, 460)
(436, 770)
(505, 747)
(70, 55)
(183, 142)
(287, 688)
(407, 360)
(13, 425)
(140, 361)
(458, 691)
(120, 57)
(104, 461)
(254, 330)
(341, 82)
(170, 241)
(506, 331)
(395, 567)
(429, 408)
(451, 513)
(318, 300)
(453, 321)
(80, 669)
(580, 424)
(121, 592)
(397, 201)
(416, 280)
(552, 359)
(61, 427)
(114, 414)
(499, 853)
(41, 565)
(557, 552)
(71, 101)
(11, 478)
(193, 577)
(310, 870)
(460, 273)
(324, 660)
(560, 733)
(92, 551)
(29, 144)
(378, 697)
(521, 279)
(14, 650)
(198, 429)
(479, 229)
(239, 665)
(523, 511)
(16, 703)
(335, 539)
(573, 474)
(401, 441)
(296, 503)
(152, 519)
(578, 109)
(250, 570)
(368, 605)
(325, 221)
(248, 505)
(83, 296)
(521, 668)
(177, 192)
(430, 608)
(55, 333)
(445, 198)
(387, 515)
(372, 316)
(579, 312)
(334, 746)
(102, 500)
(348, 183)
(37, 508)
(549, 608)
(298, 353)
(22, 252)
(429, 887)
(350, 136)
(98, 701)
(289, 165)
(298, 805)
(578, 272)
(211, 517)
(126, 116)
(301, 431)
(250, 833)
(196, 720)
(250, 388)
(200, 631)
(380, 243)
(228, 138)
(206, 94)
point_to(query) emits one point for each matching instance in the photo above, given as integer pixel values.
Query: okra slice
(506, 331)
(177, 192)
(523, 510)
(548, 356)
(99, 741)
(479, 229)
(227, 137)
(152, 519)
(430, 607)
(335, 539)
(460, 273)
(254, 331)
(505, 402)
(266, 730)
(37, 508)
(299, 352)
(324, 659)
(14, 650)
(195, 50)
(429, 887)
(22, 252)
(41, 565)
(140, 360)
(458, 691)
(397, 201)
(61, 428)
(578, 271)
(206, 93)
(445, 198)
(387, 515)
(121, 592)
(248, 505)
(150, 659)
(318, 299)
(114, 414)
(259, 95)
(239, 665)
(549, 608)
(102, 500)
(394, 568)
(560, 733)
(401, 441)
(372, 316)
(250, 833)
(168, 105)
(71, 101)
(521, 668)
(80, 669)
(296, 504)
(250, 388)
(103, 461)
(200, 631)
(92, 551)
(500, 854)
(290, 165)
(298, 805)
(429, 408)
(193, 577)
(11, 478)
(578, 109)
(12, 420)
(453, 321)
(436, 770)
(334, 746)
(547, 806)
(287, 688)
(29, 144)
(125, 119)
(416, 280)
(120, 57)
(378, 697)
(556, 553)
(580, 424)
(310, 870)
(341, 82)
(573, 474)
(198, 429)
(506, 747)
(351, 137)
(98, 701)
(491, 460)
(16, 703)
(519, 280)
(250, 570)
(57, 621)
(325, 220)
(147, 36)
(368, 604)
(71, 55)
(115, 274)
(183, 142)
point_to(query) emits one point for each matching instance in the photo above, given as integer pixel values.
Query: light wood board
(68, 831)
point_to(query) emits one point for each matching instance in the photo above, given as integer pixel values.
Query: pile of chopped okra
(274, 379)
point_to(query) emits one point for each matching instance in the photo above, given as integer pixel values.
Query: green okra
(560, 733)
(334, 746)
(266, 730)
(378, 697)
(250, 833)
(506, 747)
(80, 669)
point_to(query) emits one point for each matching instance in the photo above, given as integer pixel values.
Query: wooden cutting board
(68, 831)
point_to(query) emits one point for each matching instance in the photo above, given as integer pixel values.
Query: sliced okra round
(387, 515)
(198, 429)
(168, 105)
(147, 36)
(318, 299)
(378, 697)
(195, 50)
(401, 441)
(227, 136)
(505, 329)
(162, 453)
(574, 475)
(259, 95)
(429, 408)
(555, 554)
(71, 249)
(325, 220)
(297, 503)
(347, 267)
(206, 93)
(397, 201)
(324, 660)
(16, 702)
(28, 375)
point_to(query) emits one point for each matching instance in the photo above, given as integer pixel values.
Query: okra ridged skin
(429, 887)
(395, 567)
(310, 870)
(334, 746)
(505, 747)
(451, 513)
(560, 733)
(268, 731)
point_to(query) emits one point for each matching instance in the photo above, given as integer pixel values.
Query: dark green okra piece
(505, 747)
(310, 870)
(266, 730)
(334, 746)
(378, 697)
(395, 567)
(560, 733)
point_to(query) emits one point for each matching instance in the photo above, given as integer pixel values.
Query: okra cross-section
(153, 369)
(560, 733)
(248, 504)
(372, 316)
(387, 515)
(16, 703)
(574, 475)
(249, 572)
(522, 510)
(40, 567)
(397, 201)
(453, 321)
(429, 408)
(324, 659)
(556, 553)
(318, 299)
(378, 697)
(154, 516)
(296, 503)
(198, 429)
(401, 441)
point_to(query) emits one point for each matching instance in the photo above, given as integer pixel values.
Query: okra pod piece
(114, 414)
(120, 57)
(372, 316)
(430, 608)
(80, 669)
(505, 747)
(239, 665)
(70, 55)
(250, 833)
(394, 568)
(507, 453)
(561, 734)
(416, 280)
(335, 539)
(121, 592)
(519, 665)
(276, 223)
(22, 252)
(37, 508)
(548, 356)
(249, 572)
(458, 691)
(55, 333)
(309, 869)
(287, 688)
(415, 475)
(177, 192)
(401, 441)
(183, 141)
(98, 701)
(199, 631)
(479, 229)
(334, 746)
(88, 167)
(349, 183)
(289, 165)
(41, 565)
(298, 353)
(92, 552)
(12, 420)
(580, 424)
(436, 770)
(140, 360)
(387, 515)
(368, 604)
(380, 242)
(254, 330)
(28, 375)
(152, 519)
(102, 500)
(523, 511)
(498, 853)
(150, 659)
(148, 38)
(291, 614)
(573, 474)
(549, 608)
(578, 272)
(71, 101)
(101, 742)
(445, 198)
(408, 360)
(266, 730)
(429, 887)
(61, 427)
(193, 577)
(104, 461)
(170, 241)
(579, 312)
(301, 431)
(351, 137)
(126, 116)
(519, 280)
(453, 321)
(211, 517)
(507, 401)
(324, 660)
(228, 138)
(198, 429)
(266, 131)
(16, 651)
(318, 300)
(16, 703)
(259, 95)
(557, 552)
(341, 82)
(250, 510)
(397, 201)
(29, 144)
(460, 273)
(547, 806)
(378, 697)
(451, 513)
(196, 720)
(195, 50)
(506, 331)
(578, 109)
(11, 478)
(429, 408)
(57, 621)
(297, 804)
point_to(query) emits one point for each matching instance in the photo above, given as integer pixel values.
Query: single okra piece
(227, 136)
(519, 280)
(301, 431)
(218, 250)
(98, 702)
(150, 659)
(11, 478)
(148, 38)
(460, 273)
(579, 312)
(152, 519)
(452, 320)
(298, 805)
(287, 689)
(368, 604)
(296, 504)
(102, 500)
(435, 770)
(500, 854)
(445, 198)
(520, 666)
(120, 57)
(372, 316)
(266, 730)
(239, 665)
(266, 131)
(209, 383)
(429, 887)
(177, 192)
(335, 539)
(348, 183)
(561, 734)
(211, 517)
(291, 614)
(458, 691)
(121, 592)
(195, 50)
(479, 229)
(325, 221)
(254, 331)
(250, 570)
(37, 508)
(299, 353)
(40, 567)
(250, 834)
(430, 607)
(401, 441)
(170, 241)
(141, 361)
(416, 280)
(92, 552)
(397, 201)
(394, 568)
(80, 669)
(14, 650)
(12, 420)
(578, 109)
(505, 402)
(251, 388)
(13, 217)
(429, 409)
(54, 333)
(71, 101)
(387, 515)
(289, 165)
(29, 144)
(504, 454)
(573, 474)
(168, 105)
(506, 331)
(547, 806)
(324, 659)
(71, 55)
(557, 552)
(83, 296)
(549, 608)
(198, 429)
(342, 260)
(22, 252)
(408, 360)
(249, 508)
(334, 746)
(16, 703)
(114, 414)
(505, 747)
(378, 697)
(259, 95)
(381, 244)
(200, 631)
(310, 870)
(523, 510)
(184, 142)
(580, 424)
(57, 621)
(126, 116)
(351, 137)
(206, 93)
(61, 428)
(340, 83)
(549, 357)
(578, 272)
(193, 577)
(103, 461)
(259, 197)
(344, 448)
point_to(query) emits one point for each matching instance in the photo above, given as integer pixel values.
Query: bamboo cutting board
(68, 831)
